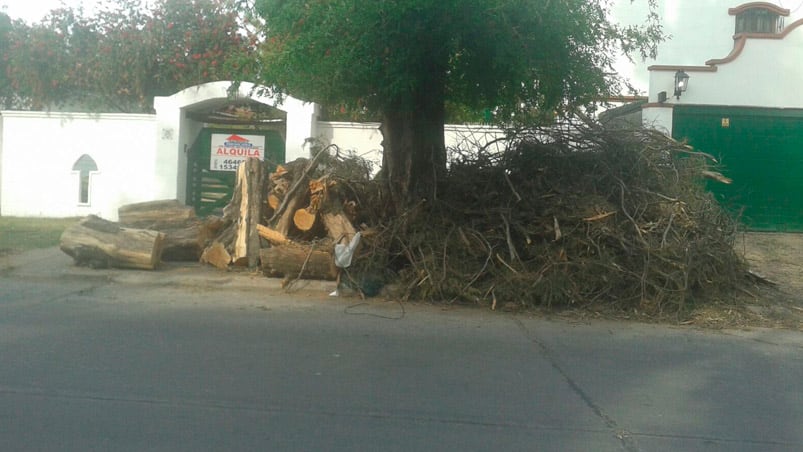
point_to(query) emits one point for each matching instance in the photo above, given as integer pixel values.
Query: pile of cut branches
(570, 215)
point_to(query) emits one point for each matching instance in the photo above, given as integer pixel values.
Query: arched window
(84, 165)
(759, 17)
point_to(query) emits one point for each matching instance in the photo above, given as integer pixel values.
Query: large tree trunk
(414, 158)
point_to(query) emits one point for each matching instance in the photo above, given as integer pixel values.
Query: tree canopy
(125, 54)
(510, 55)
(405, 59)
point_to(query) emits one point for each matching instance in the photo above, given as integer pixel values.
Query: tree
(125, 54)
(6, 91)
(404, 59)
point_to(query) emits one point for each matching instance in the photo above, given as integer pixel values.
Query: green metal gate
(208, 190)
(761, 150)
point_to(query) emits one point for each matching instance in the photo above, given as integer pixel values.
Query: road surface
(190, 359)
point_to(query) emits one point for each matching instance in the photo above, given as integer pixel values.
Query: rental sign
(229, 151)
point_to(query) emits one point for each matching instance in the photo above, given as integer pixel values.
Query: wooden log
(217, 256)
(294, 194)
(157, 215)
(273, 201)
(289, 260)
(243, 213)
(185, 235)
(304, 219)
(185, 243)
(338, 227)
(99, 243)
(272, 236)
(250, 177)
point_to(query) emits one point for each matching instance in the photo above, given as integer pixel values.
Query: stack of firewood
(287, 222)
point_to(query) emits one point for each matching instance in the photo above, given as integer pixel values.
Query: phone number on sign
(226, 165)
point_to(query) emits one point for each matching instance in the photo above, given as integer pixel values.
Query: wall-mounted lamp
(681, 83)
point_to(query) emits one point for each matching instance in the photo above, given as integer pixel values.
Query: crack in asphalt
(625, 437)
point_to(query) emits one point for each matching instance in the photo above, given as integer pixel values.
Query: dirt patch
(776, 257)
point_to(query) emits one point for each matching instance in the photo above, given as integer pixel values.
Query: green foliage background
(514, 56)
(119, 58)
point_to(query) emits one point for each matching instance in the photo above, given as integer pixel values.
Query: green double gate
(761, 150)
(209, 190)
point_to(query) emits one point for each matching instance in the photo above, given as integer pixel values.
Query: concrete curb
(50, 263)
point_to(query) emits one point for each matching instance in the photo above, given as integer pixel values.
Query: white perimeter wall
(39, 150)
(365, 139)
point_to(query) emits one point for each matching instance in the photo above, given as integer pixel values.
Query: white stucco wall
(139, 157)
(40, 149)
(767, 73)
(365, 139)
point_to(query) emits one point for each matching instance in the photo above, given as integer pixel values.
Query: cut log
(217, 256)
(99, 243)
(157, 215)
(185, 234)
(295, 197)
(184, 244)
(289, 260)
(243, 213)
(272, 236)
(338, 227)
(274, 201)
(304, 219)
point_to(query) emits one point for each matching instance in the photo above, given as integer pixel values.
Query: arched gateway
(203, 131)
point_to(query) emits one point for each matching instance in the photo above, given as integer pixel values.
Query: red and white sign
(229, 151)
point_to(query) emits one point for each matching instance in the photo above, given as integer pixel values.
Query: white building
(742, 101)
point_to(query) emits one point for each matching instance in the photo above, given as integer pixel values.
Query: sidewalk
(52, 263)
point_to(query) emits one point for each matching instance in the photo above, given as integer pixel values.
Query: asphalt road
(186, 359)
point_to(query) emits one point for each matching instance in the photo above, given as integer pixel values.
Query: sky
(34, 10)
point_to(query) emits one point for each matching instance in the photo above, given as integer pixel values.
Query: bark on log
(158, 215)
(241, 216)
(289, 260)
(250, 179)
(338, 227)
(99, 243)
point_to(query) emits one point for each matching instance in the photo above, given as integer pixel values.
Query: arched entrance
(183, 118)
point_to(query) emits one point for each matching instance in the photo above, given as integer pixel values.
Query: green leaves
(124, 55)
(517, 56)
